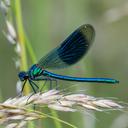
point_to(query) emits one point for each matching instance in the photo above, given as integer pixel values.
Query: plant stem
(21, 38)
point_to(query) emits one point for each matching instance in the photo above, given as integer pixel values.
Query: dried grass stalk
(15, 112)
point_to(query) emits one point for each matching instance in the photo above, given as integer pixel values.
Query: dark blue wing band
(71, 50)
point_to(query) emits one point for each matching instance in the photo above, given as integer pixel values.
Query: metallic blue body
(78, 79)
(37, 73)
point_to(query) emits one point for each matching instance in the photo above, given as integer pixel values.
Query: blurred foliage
(47, 23)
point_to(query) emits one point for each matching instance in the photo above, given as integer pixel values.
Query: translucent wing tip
(88, 31)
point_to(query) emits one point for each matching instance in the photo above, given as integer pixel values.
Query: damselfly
(66, 54)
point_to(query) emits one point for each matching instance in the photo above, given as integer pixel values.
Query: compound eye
(22, 76)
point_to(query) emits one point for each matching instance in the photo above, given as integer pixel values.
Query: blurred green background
(49, 22)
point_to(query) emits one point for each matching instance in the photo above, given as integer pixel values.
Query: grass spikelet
(16, 111)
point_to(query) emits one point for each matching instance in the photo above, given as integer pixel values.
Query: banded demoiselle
(66, 54)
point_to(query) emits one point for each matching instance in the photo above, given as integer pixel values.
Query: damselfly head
(23, 75)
